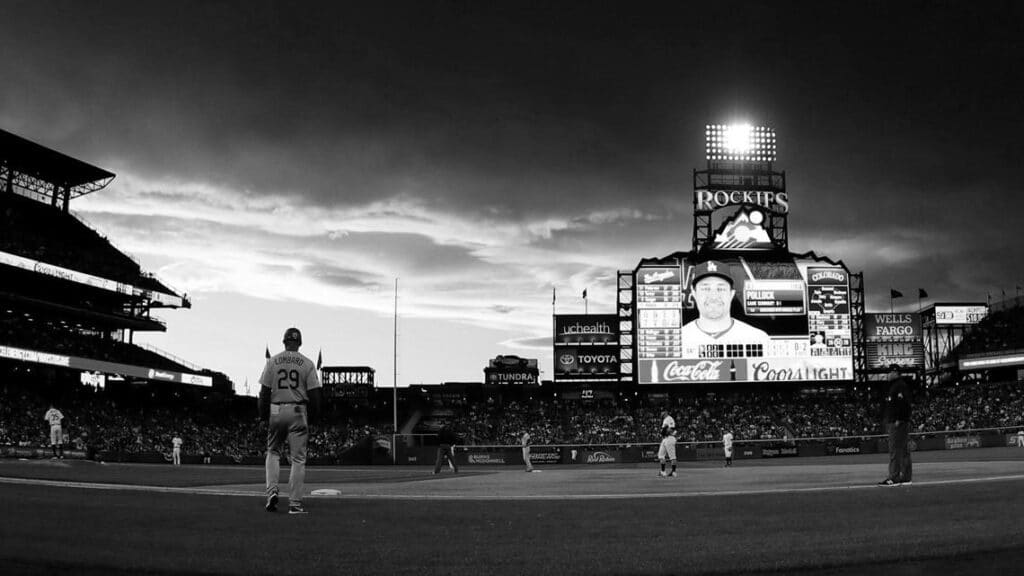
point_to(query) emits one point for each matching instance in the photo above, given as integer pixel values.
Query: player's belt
(288, 403)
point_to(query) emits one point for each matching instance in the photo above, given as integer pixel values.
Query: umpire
(897, 410)
(447, 439)
(289, 394)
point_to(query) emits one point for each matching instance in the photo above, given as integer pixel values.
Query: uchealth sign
(688, 371)
(586, 329)
(586, 361)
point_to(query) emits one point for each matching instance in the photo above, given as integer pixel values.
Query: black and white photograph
(305, 287)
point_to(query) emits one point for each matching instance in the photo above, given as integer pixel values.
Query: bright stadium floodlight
(740, 142)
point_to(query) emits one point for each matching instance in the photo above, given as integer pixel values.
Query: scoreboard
(794, 315)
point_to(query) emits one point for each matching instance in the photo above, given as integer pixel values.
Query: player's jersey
(176, 442)
(737, 333)
(53, 416)
(526, 439)
(727, 440)
(289, 376)
(668, 425)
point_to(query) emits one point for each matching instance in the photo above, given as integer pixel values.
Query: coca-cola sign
(700, 371)
(680, 370)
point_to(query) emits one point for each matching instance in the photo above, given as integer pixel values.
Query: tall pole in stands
(394, 385)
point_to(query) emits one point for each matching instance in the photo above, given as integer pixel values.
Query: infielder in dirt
(289, 394)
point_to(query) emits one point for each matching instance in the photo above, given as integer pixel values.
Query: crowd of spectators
(705, 417)
(41, 232)
(142, 421)
(48, 335)
(145, 420)
(1001, 330)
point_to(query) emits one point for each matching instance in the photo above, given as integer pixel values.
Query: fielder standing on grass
(668, 444)
(526, 451)
(176, 443)
(289, 394)
(53, 416)
(727, 447)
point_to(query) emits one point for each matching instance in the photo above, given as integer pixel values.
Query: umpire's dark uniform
(898, 419)
(447, 439)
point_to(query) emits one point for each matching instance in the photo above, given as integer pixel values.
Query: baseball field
(962, 515)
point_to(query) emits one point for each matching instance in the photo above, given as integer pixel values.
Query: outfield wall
(577, 454)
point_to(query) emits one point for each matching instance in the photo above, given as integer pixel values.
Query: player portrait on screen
(817, 339)
(713, 292)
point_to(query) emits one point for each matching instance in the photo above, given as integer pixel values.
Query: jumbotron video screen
(743, 320)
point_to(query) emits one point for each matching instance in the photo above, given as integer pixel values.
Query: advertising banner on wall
(960, 314)
(743, 319)
(102, 366)
(593, 329)
(88, 279)
(894, 339)
(510, 369)
(586, 362)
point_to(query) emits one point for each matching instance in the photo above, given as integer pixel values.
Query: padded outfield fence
(634, 453)
(418, 451)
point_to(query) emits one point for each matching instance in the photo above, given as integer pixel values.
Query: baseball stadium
(803, 389)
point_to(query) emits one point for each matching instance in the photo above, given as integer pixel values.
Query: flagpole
(394, 384)
(554, 336)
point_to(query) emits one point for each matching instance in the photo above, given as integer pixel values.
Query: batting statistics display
(743, 319)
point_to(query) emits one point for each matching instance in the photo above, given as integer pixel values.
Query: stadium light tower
(740, 172)
(740, 142)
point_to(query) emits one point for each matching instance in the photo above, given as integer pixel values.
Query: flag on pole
(921, 293)
(895, 293)
(584, 293)
(319, 359)
(267, 353)
(552, 295)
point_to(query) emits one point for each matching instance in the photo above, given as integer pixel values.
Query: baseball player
(290, 393)
(713, 293)
(53, 416)
(447, 439)
(668, 444)
(526, 451)
(176, 449)
(727, 447)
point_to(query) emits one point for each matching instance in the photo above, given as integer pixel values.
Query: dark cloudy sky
(284, 165)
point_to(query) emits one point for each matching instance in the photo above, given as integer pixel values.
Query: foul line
(511, 497)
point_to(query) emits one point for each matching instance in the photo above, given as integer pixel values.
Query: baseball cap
(712, 268)
(294, 335)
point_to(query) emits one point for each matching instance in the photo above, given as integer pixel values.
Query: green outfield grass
(954, 528)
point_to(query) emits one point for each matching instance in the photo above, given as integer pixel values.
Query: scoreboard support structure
(625, 311)
(860, 363)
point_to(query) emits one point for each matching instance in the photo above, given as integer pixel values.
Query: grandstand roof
(35, 166)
